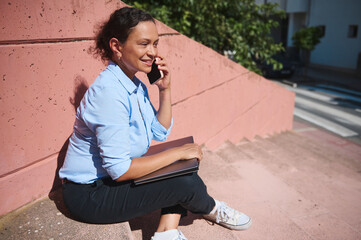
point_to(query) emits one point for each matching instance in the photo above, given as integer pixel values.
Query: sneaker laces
(225, 213)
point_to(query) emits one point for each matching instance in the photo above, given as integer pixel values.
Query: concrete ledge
(41, 174)
(48, 219)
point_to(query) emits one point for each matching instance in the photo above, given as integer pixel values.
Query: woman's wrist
(164, 90)
(164, 93)
(178, 151)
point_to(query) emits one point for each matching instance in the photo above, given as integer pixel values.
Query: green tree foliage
(307, 38)
(240, 26)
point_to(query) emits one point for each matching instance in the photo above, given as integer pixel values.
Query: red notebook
(178, 168)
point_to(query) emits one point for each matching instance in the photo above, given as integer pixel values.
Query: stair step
(299, 148)
(234, 155)
(214, 168)
(304, 166)
(253, 151)
(327, 152)
(262, 195)
(292, 186)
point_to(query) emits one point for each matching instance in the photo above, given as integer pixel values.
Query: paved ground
(336, 110)
(329, 77)
(329, 99)
(301, 184)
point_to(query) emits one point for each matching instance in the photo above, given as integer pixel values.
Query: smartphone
(155, 74)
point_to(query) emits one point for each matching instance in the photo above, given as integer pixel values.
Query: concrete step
(333, 151)
(321, 177)
(48, 219)
(267, 199)
(292, 185)
(344, 148)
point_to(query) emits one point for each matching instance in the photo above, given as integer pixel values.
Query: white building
(341, 20)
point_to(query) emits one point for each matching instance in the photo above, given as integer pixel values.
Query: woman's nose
(152, 51)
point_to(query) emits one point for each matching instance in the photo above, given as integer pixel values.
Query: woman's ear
(116, 47)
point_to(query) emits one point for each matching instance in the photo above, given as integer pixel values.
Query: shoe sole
(238, 228)
(233, 227)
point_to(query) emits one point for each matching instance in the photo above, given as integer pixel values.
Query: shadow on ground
(144, 227)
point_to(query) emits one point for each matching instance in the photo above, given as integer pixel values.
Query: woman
(114, 126)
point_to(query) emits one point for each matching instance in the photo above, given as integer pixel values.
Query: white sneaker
(180, 236)
(161, 236)
(229, 217)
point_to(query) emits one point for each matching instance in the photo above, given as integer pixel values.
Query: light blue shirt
(115, 123)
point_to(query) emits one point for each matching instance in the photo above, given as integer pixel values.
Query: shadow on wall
(80, 87)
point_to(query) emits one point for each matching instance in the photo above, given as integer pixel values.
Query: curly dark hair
(118, 26)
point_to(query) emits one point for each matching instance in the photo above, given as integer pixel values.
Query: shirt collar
(127, 83)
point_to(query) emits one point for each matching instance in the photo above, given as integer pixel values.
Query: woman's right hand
(190, 150)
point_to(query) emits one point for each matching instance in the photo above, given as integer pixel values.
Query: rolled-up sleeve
(160, 133)
(107, 115)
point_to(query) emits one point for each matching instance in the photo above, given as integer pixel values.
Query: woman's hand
(144, 165)
(164, 114)
(163, 83)
(191, 150)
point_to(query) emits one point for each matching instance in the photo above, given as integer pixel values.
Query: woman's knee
(191, 183)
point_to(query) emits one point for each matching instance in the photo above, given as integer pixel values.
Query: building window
(352, 31)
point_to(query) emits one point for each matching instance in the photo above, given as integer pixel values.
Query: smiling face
(139, 50)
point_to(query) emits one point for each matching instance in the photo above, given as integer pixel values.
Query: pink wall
(45, 62)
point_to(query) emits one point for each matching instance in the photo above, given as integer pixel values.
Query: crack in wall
(62, 40)
(208, 89)
(47, 40)
(28, 165)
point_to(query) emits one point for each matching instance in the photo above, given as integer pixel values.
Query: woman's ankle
(168, 222)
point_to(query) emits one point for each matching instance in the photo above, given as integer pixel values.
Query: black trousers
(108, 201)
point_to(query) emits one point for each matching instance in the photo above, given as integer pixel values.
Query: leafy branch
(239, 26)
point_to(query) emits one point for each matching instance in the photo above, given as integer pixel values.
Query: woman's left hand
(163, 83)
